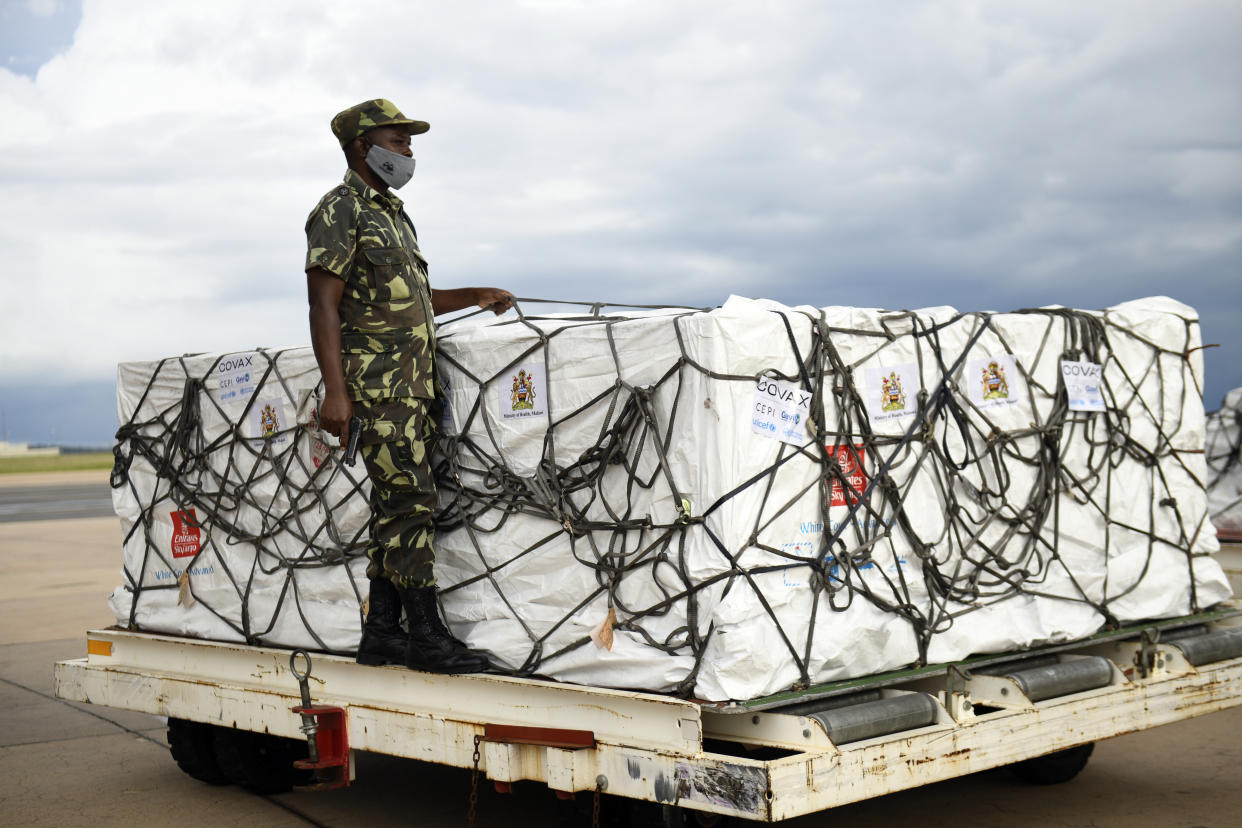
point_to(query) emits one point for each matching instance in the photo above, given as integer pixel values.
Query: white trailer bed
(750, 761)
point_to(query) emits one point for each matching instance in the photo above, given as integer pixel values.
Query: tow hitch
(327, 738)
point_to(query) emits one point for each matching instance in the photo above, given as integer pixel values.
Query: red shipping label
(186, 534)
(851, 462)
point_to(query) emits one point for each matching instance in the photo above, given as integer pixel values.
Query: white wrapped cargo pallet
(237, 524)
(723, 504)
(1224, 460)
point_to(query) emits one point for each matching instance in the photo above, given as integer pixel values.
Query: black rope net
(1224, 461)
(719, 503)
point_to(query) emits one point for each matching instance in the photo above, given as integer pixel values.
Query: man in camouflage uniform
(372, 326)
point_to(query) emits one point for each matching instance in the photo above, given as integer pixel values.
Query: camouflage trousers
(396, 444)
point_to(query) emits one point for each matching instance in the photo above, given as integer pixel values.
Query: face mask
(394, 169)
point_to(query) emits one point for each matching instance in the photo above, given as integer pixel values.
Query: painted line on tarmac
(85, 708)
(59, 510)
(87, 711)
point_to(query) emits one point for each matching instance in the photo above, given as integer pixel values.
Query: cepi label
(1083, 385)
(780, 411)
(237, 376)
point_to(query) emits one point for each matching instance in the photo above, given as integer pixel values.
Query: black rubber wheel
(259, 762)
(1054, 768)
(193, 749)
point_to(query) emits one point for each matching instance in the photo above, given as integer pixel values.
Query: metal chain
(474, 784)
(595, 808)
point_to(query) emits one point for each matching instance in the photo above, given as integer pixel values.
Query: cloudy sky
(158, 160)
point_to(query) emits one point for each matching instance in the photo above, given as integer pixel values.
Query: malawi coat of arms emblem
(523, 393)
(268, 421)
(892, 396)
(994, 385)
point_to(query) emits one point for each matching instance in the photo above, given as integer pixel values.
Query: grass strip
(80, 461)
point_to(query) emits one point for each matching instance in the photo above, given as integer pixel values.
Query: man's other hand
(493, 299)
(334, 414)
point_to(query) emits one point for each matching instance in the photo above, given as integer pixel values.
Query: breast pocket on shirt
(392, 276)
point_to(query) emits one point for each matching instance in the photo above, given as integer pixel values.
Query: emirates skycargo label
(320, 450)
(186, 536)
(851, 460)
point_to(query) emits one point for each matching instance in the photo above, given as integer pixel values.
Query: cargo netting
(719, 503)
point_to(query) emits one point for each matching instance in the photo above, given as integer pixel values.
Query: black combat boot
(430, 646)
(383, 640)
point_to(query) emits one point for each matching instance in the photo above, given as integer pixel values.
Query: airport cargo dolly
(764, 760)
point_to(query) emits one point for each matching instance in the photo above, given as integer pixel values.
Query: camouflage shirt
(387, 325)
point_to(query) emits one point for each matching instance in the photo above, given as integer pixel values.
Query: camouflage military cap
(350, 123)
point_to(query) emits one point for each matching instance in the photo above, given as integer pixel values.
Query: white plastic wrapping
(230, 534)
(621, 463)
(1224, 460)
(534, 612)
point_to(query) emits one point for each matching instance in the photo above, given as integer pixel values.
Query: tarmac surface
(71, 495)
(66, 764)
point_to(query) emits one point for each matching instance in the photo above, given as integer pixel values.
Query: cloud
(155, 176)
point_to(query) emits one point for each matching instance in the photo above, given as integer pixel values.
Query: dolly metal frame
(751, 762)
